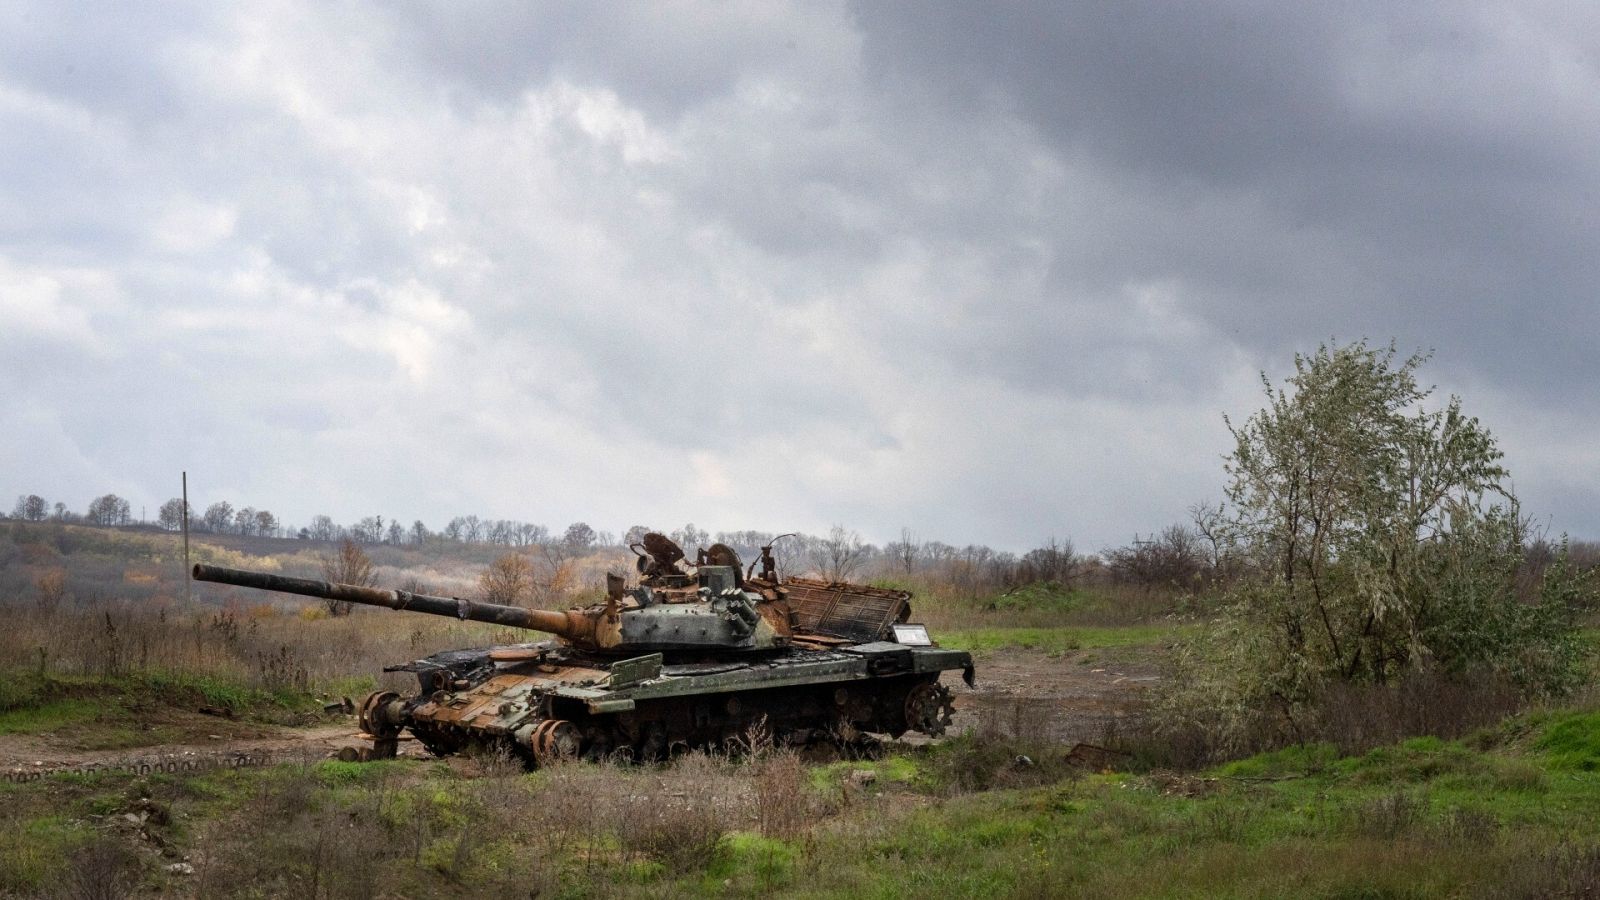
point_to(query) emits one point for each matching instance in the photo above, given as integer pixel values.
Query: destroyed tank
(681, 659)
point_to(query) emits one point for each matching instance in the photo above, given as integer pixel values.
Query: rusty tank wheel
(374, 718)
(929, 708)
(379, 719)
(554, 739)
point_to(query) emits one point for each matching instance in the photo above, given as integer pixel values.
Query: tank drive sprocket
(929, 708)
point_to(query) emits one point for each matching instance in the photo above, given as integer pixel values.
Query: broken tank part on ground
(683, 659)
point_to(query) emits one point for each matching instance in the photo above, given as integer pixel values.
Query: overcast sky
(992, 272)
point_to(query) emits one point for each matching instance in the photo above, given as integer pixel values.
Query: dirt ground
(26, 751)
(1070, 697)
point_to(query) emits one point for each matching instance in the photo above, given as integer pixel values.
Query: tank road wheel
(554, 739)
(929, 708)
(379, 713)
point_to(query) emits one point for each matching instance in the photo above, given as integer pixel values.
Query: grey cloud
(1433, 183)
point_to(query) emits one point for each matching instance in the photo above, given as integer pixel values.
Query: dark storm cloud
(1422, 171)
(992, 272)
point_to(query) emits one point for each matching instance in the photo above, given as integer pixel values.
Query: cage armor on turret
(680, 659)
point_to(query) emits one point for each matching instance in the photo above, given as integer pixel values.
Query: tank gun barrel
(569, 625)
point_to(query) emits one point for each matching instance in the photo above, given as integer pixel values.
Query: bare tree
(1211, 524)
(350, 565)
(109, 510)
(52, 588)
(906, 551)
(170, 515)
(553, 575)
(840, 554)
(509, 580)
(1172, 558)
(218, 517)
(789, 553)
(690, 538)
(1055, 561)
(31, 508)
(579, 537)
(266, 523)
(323, 528)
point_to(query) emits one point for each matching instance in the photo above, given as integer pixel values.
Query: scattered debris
(861, 778)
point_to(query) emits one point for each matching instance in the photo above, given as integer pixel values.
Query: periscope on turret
(681, 659)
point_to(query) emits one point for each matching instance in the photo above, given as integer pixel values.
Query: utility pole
(188, 587)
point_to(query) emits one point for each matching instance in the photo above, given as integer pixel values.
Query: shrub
(1381, 541)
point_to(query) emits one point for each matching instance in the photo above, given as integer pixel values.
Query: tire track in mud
(30, 757)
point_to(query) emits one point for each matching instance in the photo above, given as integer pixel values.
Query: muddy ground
(1068, 697)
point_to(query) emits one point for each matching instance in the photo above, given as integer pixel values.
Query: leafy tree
(1381, 538)
(266, 523)
(349, 565)
(244, 521)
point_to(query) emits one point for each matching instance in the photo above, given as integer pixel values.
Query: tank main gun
(571, 624)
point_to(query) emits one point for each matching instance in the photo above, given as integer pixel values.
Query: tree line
(1181, 556)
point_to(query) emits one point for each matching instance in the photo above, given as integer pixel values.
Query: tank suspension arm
(569, 625)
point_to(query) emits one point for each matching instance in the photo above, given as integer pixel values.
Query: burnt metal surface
(853, 611)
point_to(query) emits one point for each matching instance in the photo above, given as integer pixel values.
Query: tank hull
(545, 701)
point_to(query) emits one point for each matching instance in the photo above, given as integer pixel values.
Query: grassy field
(82, 712)
(1507, 812)
(1064, 639)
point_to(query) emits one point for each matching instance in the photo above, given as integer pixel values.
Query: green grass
(48, 716)
(1063, 640)
(102, 713)
(1572, 742)
(1505, 813)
